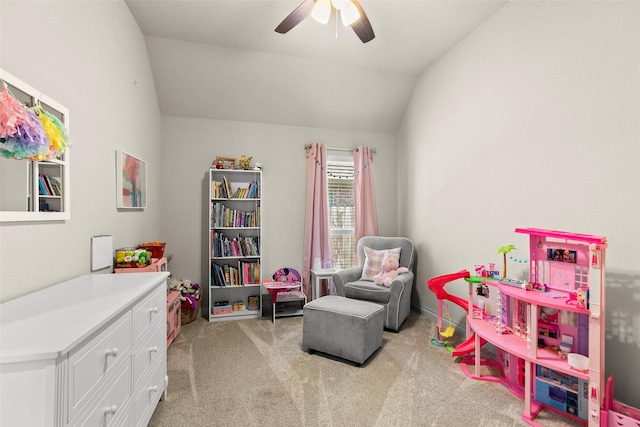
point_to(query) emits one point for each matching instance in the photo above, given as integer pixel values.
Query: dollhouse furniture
(396, 299)
(533, 330)
(88, 351)
(344, 327)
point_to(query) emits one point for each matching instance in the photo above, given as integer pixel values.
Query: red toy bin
(157, 250)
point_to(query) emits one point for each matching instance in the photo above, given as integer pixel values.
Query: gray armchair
(396, 299)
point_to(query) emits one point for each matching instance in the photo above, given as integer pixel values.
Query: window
(341, 210)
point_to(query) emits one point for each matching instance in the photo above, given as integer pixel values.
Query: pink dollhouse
(558, 312)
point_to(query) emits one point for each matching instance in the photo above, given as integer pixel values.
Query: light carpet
(254, 373)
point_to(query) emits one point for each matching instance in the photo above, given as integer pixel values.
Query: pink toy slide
(436, 285)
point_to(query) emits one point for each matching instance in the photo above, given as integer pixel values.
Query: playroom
(470, 111)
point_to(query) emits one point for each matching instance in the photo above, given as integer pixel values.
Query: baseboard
(461, 327)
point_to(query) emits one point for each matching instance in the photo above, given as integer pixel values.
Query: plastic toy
(245, 162)
(189, 292)
(287, 274)
(450, 330)
(617, 413)
(562, 310)
(504, 250)
(436, 285)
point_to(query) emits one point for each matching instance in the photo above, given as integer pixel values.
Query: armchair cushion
(373, 261)
(367, 290)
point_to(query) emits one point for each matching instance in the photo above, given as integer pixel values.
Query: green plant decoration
(504, 250)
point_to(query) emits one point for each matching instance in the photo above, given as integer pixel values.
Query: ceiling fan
(351, 13)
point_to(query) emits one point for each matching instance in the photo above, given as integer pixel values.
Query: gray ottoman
(343, 327)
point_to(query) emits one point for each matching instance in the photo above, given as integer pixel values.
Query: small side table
(317, 276)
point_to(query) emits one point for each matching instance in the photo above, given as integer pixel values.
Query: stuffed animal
(189, 292)
(389, 270)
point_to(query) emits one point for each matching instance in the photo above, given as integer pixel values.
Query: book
(218, 275)
(47, 184)
(41, 186)
(226, 187)
(56, 186)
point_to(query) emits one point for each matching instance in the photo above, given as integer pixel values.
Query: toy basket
(156, 249)
(188, 315)
(124, 258)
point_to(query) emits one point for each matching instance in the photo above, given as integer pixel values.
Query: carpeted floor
(254, 373)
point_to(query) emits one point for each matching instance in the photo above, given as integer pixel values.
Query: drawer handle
(154, 310)
(111, 409)
(153, 349)
(113, 352)
(153, 389)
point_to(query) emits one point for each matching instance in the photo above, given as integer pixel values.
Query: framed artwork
(225, 162)
(131, 181)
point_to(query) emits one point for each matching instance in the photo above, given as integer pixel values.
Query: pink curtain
(317, 232)
(366, 216)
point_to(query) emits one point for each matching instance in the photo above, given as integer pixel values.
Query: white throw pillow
(373, 261)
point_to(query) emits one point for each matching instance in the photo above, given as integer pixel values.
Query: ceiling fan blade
(297, 16)
(362, 27)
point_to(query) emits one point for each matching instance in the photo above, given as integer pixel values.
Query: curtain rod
(308, 146)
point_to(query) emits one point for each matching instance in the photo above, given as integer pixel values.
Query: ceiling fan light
(321, 11)
(349, 14)
(340, 4)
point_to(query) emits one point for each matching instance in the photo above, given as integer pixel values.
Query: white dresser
(90, 351)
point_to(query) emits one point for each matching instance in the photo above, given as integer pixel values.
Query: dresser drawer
(91, 364)
(147, 313)
(113, 406)
(148, 354)
(145, 400)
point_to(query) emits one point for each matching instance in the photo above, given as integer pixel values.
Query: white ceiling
(223, 59)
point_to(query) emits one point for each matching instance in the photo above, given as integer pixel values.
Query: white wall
(86, 56)
(532, 121)
(190, 145)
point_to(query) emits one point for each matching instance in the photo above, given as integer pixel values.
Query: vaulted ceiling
(223, 60)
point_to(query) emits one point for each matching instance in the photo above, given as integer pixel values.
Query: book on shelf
(56, 186)
(223, 216)
(226, 187)
(42, 187)
(251, 191)
(240, 246)
(215, 190)
(250, 272)
(49, 186)
(218, 275)
(225, 275)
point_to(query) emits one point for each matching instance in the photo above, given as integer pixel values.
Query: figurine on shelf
(245, 162)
